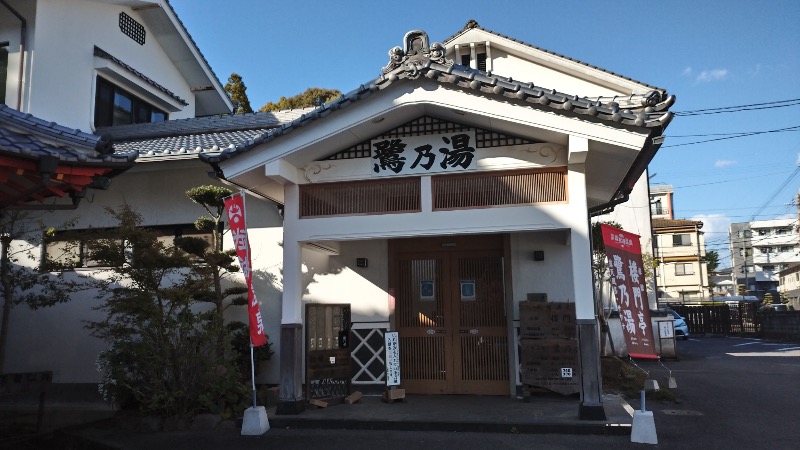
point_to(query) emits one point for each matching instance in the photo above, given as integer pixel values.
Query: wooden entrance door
(451, 318)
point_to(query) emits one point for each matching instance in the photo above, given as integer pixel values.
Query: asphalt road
(732, 393)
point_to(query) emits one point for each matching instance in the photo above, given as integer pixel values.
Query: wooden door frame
(499, 243)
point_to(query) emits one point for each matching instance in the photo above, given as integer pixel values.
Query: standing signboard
(628, 283)
(392, 342)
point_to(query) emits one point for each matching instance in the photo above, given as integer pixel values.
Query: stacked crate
(549, 347)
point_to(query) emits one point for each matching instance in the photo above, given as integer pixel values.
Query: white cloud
(712, 75)
(714, 223)
(724, 163)
(686, 72)
(715, 228)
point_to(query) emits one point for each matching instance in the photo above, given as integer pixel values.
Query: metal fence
(736, 318)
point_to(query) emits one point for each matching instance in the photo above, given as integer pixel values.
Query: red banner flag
(628, 283)
(234, 205)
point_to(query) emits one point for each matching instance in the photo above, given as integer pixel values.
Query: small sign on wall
(426, 290)
(666, 329)
(392, 342)
(467, 290)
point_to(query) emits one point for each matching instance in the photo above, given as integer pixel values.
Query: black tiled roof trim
(25, 135)
(100, 53)
(201, 125)
(653, 112)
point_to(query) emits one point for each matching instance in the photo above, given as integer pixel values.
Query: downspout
(22, 32)
(700, 261)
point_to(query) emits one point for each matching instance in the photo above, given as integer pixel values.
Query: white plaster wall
(336, 279)
(552, 276)
(509, 65)
(62, 74)
(10, 31)
(55, 338)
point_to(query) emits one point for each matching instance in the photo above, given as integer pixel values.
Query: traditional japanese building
(436, 197)
(433, 200)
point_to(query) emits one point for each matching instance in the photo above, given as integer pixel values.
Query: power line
(753, 133)
(775, 194)
(739, 108)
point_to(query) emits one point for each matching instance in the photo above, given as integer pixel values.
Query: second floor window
(679, 240)
(684, 269)
(116, 106)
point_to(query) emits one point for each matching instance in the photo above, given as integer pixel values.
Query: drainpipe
(700, 260)
(23, 30)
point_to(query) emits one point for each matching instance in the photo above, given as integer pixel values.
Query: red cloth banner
(234, 205)
(628, 283)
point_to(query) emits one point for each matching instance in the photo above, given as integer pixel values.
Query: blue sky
(709, 53)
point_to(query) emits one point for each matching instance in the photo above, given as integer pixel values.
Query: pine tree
(238, 91)
(311, 97)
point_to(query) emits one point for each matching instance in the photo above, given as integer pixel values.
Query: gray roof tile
(24, 135)
(640, 111)
(196, 135)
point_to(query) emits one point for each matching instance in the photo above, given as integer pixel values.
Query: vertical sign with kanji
(234, 206)
(392, 342)
(628, 283)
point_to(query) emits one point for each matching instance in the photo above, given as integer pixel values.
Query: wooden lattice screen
(360, 197)
(499, 188)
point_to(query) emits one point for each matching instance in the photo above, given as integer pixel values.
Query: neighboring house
(789, 286)
(680, 249)
(433, 199)
(722, 285)
(760, 250)
(428, 201)
(96, 63)
(661, 205)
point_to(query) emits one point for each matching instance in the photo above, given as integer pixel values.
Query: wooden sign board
(546, 320)
(551, 364)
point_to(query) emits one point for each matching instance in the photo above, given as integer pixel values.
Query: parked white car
(680, 325)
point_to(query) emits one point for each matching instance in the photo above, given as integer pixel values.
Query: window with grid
(116, 106)
(499, 188)
(71, 249)
(680, 240)
(360, 197)
(684, 269)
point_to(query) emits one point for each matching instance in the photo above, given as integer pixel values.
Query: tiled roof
(196, 135)
(673, 223)
(473, 24)
(30, 137)
(100, 53)
(651, 110)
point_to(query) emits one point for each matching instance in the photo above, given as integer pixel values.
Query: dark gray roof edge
(100, 53)
(472, 24)
(194, 44)
(96, 149)
(196, 125)
(653, 112)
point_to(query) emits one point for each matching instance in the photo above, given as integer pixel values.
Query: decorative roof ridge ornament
(416, 54)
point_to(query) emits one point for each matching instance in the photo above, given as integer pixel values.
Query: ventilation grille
(499, 188)
(363, 197)
(431, 125)
(131, 28)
